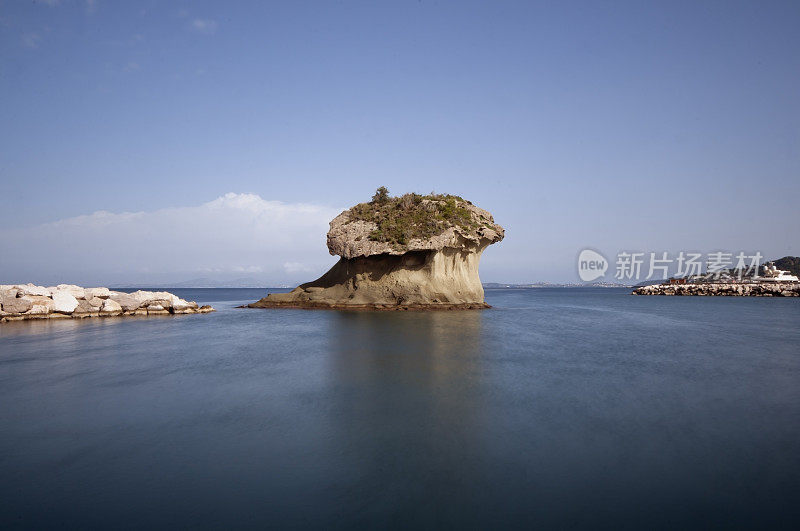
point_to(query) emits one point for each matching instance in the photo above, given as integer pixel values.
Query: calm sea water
(559, 407)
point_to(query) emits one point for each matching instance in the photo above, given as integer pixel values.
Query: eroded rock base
(265, 303)
(446, 279)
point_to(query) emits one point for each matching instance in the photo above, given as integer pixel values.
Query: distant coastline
(499, 285)
(251, 285)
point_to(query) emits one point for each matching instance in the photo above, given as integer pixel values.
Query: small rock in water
(30, 289)
(76, 291)
(111, 306)
(64, 302)
(40, 304)
(16, 305)
(102, 293)
(125, 300)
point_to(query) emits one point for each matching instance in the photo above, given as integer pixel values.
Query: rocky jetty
(400, 253)
(719, 289)
(20, 302)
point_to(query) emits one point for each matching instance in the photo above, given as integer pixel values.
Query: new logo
(591, 265)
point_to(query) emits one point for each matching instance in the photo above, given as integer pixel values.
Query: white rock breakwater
(20, 302)
(761, 289)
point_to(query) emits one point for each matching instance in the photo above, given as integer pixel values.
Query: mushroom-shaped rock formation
(398, 253)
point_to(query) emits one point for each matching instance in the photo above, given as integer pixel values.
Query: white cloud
(206, 26)
(31, 40)
(248, 269)
(91, 5)
(296, 267)
(234, 235)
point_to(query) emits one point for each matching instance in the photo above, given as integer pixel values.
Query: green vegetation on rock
(789, 263)
(409, 216)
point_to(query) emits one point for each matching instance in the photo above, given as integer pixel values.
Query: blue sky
(652, 126)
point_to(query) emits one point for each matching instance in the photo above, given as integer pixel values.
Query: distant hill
(246, 282)
(789, 263)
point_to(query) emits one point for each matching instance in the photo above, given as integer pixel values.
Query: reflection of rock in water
(431, 347)
(407, 399)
